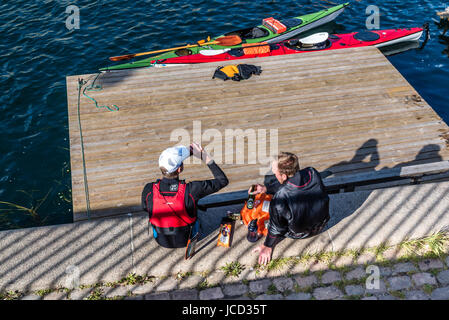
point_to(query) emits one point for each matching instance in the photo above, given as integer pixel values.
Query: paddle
(226, 41)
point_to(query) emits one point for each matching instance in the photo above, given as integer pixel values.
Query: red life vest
(170, 211)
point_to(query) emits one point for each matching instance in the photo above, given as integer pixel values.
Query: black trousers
(313, 231)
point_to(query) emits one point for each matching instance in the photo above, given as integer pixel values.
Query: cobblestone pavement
(343, 277)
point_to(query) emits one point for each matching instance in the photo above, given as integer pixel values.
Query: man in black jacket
(300, 205)
(171, 203)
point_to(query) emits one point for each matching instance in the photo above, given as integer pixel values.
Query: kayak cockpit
(250, 33)
(299, 46)
(291, 22)
(366, 36)
(260, 32)
(183, 52)
(317, 41)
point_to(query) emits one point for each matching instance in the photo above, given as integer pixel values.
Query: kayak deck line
(344, 111)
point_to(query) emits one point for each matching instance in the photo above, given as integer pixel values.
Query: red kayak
(317, 42)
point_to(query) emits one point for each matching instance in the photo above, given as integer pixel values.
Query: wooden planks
(346, 110)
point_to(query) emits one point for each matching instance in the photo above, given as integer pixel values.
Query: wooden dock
(345, 111)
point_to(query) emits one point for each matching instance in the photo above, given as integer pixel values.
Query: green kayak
(293, 26)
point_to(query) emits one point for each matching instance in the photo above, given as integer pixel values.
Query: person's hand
(199, 152)
(260, 188)
(264, 254)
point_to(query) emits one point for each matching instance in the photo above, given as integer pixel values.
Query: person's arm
(147, 203)
(269, 187)
(278, 225)
(200, 189)
(272, 184)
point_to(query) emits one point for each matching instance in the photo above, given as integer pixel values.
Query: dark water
(37, 51)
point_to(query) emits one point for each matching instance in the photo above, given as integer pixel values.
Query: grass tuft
(96, 294)
(183, 275)
(203, 285)
(428, 288)
(43, 292)
(10, 295)
(272, 289)
(133, 278)
(379, 250)
(398, 294)
(280, 263)
(233, 269)
(341, 284)
(251, 295)
(430, 247)
(326, 257)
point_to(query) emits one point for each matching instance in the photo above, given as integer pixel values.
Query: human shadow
(366, 158)
(368, 150)
(428, 154)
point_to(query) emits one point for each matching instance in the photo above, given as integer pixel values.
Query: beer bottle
(252, 235)
(251, 198)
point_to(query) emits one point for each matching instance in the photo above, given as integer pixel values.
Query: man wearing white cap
(171, 203)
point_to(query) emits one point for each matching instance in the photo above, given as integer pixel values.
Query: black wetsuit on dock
(195, 190)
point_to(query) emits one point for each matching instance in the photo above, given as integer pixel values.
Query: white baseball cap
(172, 158)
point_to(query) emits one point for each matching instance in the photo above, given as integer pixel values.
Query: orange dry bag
(260, 211)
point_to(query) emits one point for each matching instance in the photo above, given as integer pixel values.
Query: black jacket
(298, 205)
